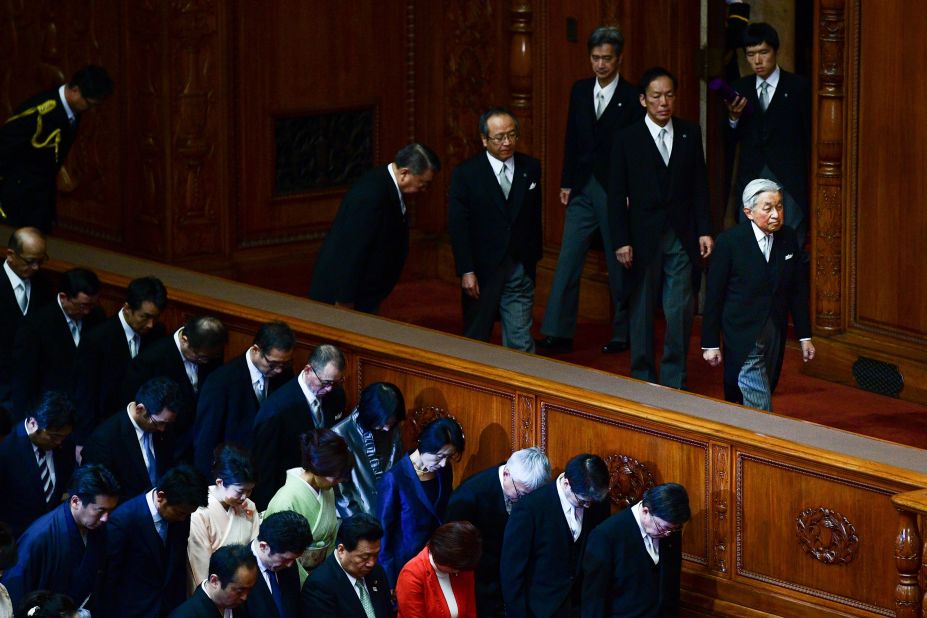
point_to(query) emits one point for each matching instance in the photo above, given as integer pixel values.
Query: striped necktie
(45, 476)
(364, 598)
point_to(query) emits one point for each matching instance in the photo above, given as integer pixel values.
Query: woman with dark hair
(45, 604)
(413, 494)
(308, 491)
(374, 435)
(438, 582)
(229, 518)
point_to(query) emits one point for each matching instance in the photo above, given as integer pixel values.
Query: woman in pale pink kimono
(229, 517)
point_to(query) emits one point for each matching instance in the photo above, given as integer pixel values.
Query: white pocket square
(533, 185)
(789, 256)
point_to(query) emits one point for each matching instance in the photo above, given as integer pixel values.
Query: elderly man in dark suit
(146, 571)
(137, 444)
(350, 582)
(494, 219)
(775, 133)
(599, 107)
(633, 559)
(547, 533)
(312, 400)
(283, 537)
(23, 291)
(755, 281)
(105, 353)
(363, 253)
(485, 500)
(45, 348)
(35, 141)
(658, 202)
(36, 462)
(229, 400)
(233, 574)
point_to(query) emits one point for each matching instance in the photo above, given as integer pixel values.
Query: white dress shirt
(444, 580)
(606, 93)
(257, 378)
(651, 544)
(402, 201)
(773, 81)
(129, 332)
(574, 515)
(21, 287)
(189, 366)
(140, 435)
(654, 129)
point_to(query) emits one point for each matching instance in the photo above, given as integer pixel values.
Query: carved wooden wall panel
(772, 494)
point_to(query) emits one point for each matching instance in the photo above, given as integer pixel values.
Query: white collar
(68, 318)
(497, 164)
(15, 279)
(139, 432)
(568, 508)
(351, 578)
(608, 90)
(757, 232)
(392, 175)
(64, 102)
(152, 508)
(129, 331)
(772, 80)
(654, 128)
(310, 396)
(256, 374)
(638, 514)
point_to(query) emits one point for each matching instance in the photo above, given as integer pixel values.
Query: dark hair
(18, 237)
(8, 555)
(54, 411)
(654, 73)
(379, 402)
(440, 432)
(325, 453)
(233, 465)
(456, 544)
(418, 159)
(588, 477)
(606, 35)
(275, 336)
(204, 332)
(144, 289)
(184, 485)
(359, 527)
(46, 604)
(225, 562)
(669, 502)
(285, 532)
(758, 33)
(92, 480)
(79, 281)
(324, 354)
(495, 111)
(94, 82)
(159, 393)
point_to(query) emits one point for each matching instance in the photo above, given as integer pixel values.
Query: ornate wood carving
(828, 198)
(523, 430)
(521, 69)
(827, 535)
(420, 417)
(908, 563)
(720, 492)
(628, 479)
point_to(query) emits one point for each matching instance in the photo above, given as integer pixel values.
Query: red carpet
(436, 304)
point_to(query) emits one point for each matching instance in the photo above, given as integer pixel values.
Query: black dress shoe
(555, 345)
(613, 347)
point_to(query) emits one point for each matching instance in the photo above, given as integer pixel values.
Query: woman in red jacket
(438, 582)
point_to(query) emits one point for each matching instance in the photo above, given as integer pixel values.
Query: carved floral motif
(827, 535)
(628, 479)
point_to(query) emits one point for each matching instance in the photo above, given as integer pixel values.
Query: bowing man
(232, 575)
(283, 538)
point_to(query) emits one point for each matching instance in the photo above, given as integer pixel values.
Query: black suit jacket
(620, 578)
(115, 445)
(541, 564)
(21, 483)
(11, 318)
(479, 500)
(226, 409)
(328, 593)
(28, 171)
(363, 253)
(744, 291)
(280, 421)
(145, 577)
(201, 606)
(660, 196)
(485, 228)
(102, 360)
(779, 138)
(587, 147)
(45, 354)
(261, 604)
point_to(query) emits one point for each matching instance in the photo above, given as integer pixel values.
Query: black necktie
(277, 595)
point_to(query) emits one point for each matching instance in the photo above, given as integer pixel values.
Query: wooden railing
(789, 518)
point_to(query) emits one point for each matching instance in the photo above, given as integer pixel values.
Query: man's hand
(807, 350)
(625, 255)
(564, 196)
(705, 245)
(712, 356)
(470, 285)
(736, 107)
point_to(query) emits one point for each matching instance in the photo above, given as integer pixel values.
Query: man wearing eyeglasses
(312, 400)
(231, 396)
(22, 293)
(633, 559)
(494, 220)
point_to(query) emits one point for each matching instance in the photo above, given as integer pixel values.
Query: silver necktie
(504, 182)
(764, 94)
(661, 145)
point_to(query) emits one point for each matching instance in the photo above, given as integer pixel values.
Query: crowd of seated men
(142, 477)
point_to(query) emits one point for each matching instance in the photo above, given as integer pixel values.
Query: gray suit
(359, 494)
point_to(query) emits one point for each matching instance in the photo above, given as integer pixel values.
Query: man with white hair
(756, 279)
(485, 500)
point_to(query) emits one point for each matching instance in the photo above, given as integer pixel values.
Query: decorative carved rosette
(827, 535)
(628, 479)
(421, 416)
